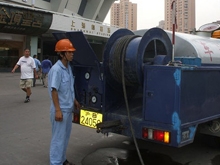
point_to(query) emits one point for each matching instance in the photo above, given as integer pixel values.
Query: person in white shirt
(28, 72)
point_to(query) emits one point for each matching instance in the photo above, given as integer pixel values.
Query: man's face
(26, 52)
(69, 55)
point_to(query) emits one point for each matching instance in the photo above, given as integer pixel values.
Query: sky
(150, 12)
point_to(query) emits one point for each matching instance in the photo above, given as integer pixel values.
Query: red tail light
(158, 135)
(75, 117)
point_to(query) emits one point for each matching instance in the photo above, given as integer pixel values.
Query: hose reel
(135, 51)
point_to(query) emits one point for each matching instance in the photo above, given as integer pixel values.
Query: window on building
(9, 53)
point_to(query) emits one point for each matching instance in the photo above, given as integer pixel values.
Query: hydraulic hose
(124, 57)
(125, 95)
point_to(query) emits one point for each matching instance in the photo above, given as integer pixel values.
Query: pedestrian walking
(28, 71)
(46, 64)
(38, 69)
(63, 102)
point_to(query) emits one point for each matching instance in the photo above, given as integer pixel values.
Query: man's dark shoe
(67, 163)
(26, 100)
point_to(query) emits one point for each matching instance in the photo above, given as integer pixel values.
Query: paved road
(25, 133)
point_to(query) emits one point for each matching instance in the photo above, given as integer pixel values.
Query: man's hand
(76, 105)
(58, 115)
(15, 67)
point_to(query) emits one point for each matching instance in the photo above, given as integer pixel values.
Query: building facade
(30, 23)
(185, 15)
(92, 9)
(124, 14)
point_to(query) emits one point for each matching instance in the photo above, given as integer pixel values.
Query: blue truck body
(174, 99)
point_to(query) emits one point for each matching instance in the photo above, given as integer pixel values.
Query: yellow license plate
(89, 118)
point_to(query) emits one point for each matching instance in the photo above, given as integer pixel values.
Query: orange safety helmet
(64, 45)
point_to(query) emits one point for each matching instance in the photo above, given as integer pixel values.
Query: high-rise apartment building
(124, 14)
(185, 15)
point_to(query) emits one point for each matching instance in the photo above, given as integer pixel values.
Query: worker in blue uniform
(63, 102)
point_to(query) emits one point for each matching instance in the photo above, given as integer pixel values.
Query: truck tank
(195, 46)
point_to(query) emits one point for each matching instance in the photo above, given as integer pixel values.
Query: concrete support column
(41, 57)
(34, 45)
(27, 43)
